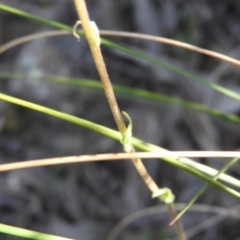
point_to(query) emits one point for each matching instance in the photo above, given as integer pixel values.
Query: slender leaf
(138, 54)
(29, 234)
(203, 189)
(183, 163)
(131, 92)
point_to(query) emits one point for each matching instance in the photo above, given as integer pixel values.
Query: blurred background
(85, 201)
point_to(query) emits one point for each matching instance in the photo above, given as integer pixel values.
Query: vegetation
(227, 184)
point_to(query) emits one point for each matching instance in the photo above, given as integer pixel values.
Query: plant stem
(179, 227)
(99, 61)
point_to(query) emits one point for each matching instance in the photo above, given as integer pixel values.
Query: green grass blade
(136, 142)
(35, 18)
(20, 232)
(203, 189)
(127, 50)
(201, 170)
(179, 71)
(93, 84)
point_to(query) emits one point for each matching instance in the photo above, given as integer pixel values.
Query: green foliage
(210, 175)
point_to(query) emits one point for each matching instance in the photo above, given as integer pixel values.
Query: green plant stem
(203, 189)
(20, 232)
(197, 169)
(140, 93)
(138, 54)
